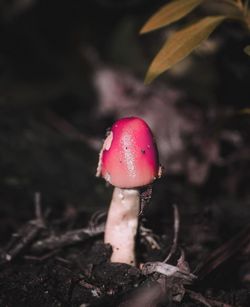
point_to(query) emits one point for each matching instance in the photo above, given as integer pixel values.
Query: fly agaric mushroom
(129, 161)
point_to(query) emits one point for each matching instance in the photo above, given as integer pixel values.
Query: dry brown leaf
(181, 44)
(169, 13)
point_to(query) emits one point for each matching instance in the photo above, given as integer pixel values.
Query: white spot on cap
(108, 141)
(106, 146)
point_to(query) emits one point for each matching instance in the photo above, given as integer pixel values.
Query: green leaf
(180, 44)
(247, 50)
(169, 13)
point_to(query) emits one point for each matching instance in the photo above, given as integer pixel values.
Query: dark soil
(68, 70)
(78, 272)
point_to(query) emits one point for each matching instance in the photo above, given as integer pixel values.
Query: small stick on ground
(176, 233)
(223, 253)
(25, 236)
(198, 298)
(41, 258)
(68, 238)
(206, 301)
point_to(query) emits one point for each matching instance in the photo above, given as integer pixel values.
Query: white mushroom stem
(122, 224)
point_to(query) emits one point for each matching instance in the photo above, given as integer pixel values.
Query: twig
(198, 298)
(41, 258)
(38, 209)
(223, 253)
(68, 238)
(206, 301)
(25, 236)
(176, 233)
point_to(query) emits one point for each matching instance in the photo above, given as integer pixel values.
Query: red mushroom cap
(129, 157)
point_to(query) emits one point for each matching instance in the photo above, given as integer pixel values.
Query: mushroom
(129, 161)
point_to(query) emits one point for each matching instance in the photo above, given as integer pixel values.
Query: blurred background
(68, 69)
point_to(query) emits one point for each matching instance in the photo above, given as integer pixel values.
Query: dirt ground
(68, 70)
